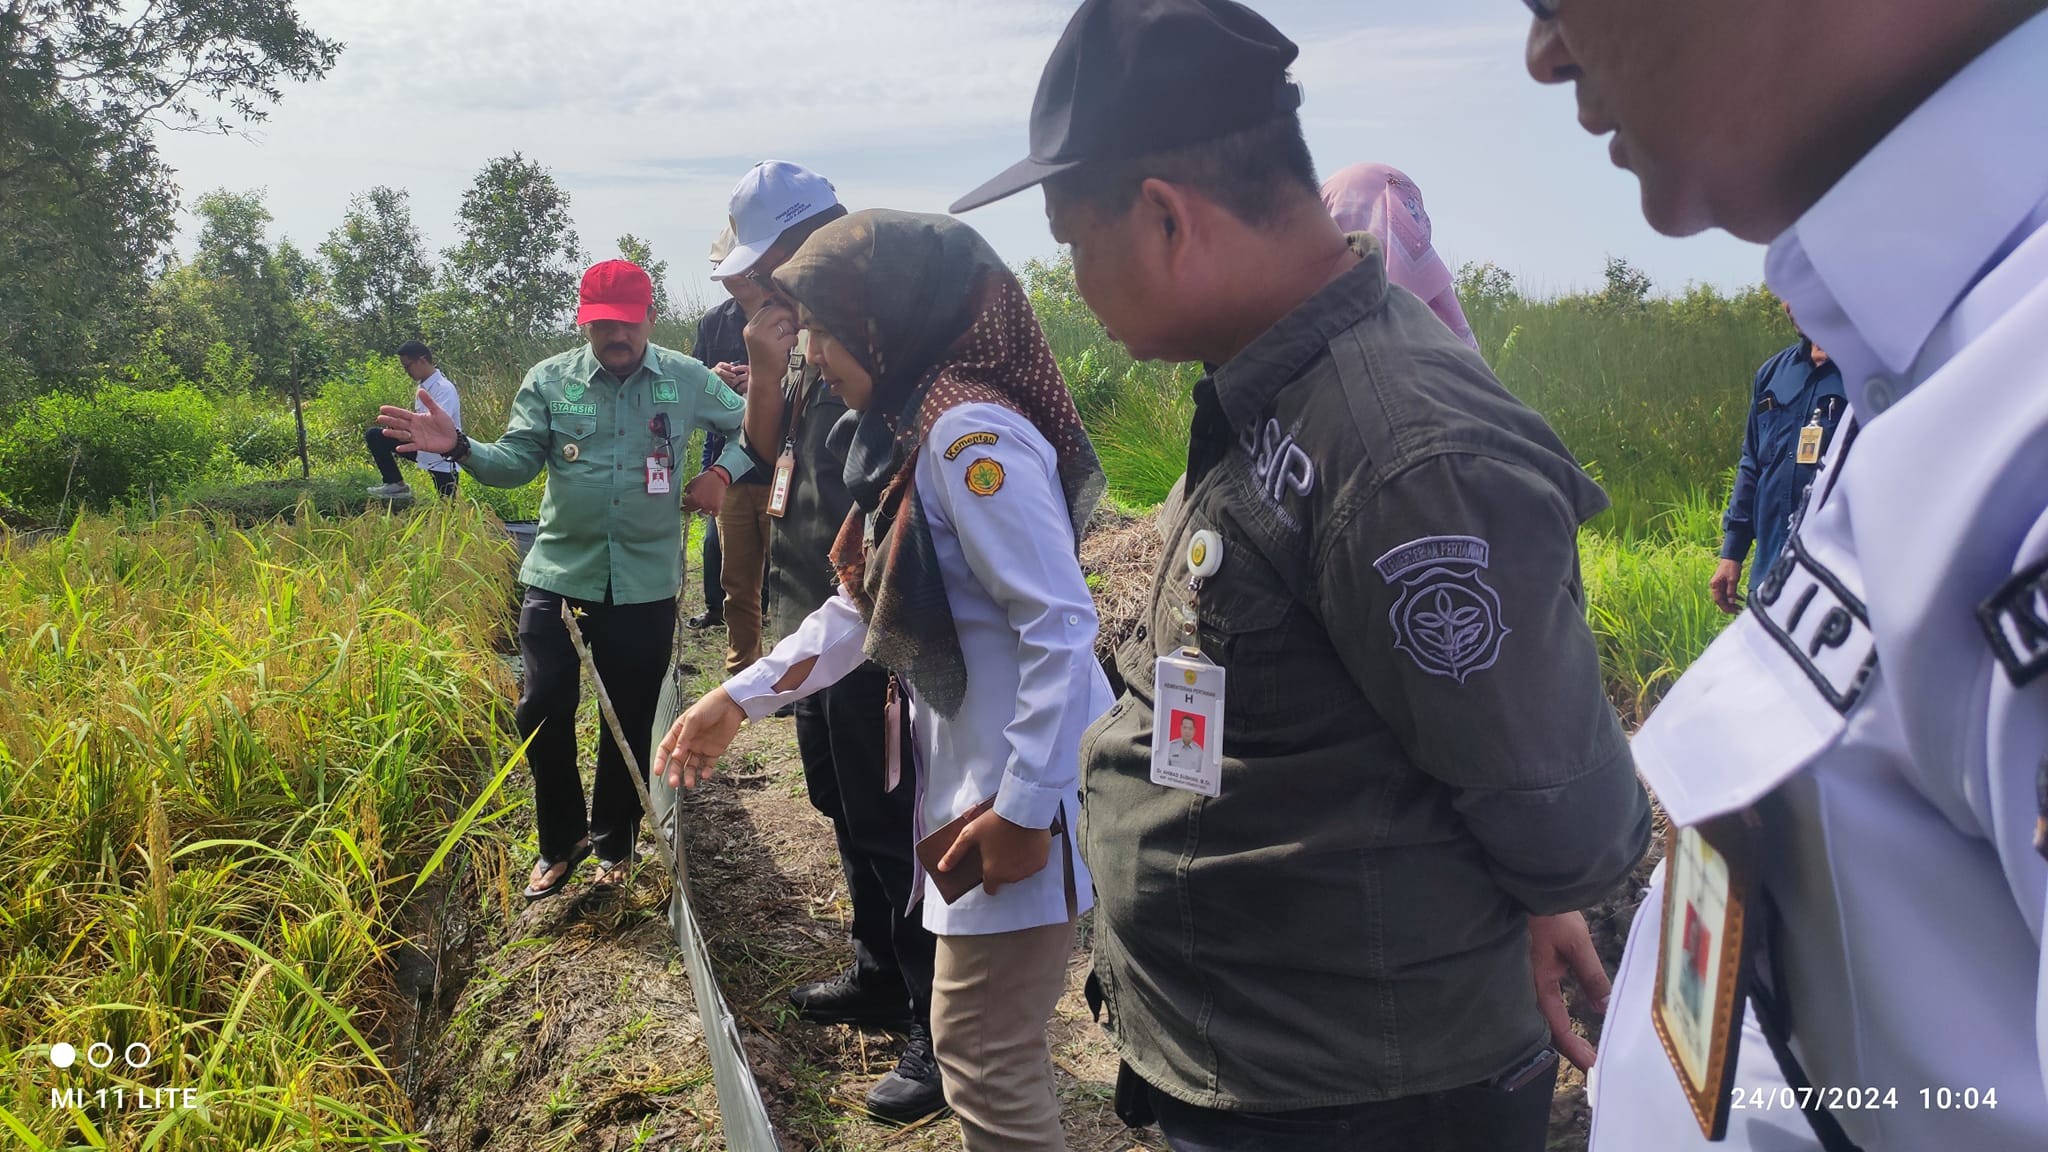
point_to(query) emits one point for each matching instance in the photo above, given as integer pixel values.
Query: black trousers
(630, 645)
(384, 453)
(841, 735)
(1483, 1117)
(714, 592)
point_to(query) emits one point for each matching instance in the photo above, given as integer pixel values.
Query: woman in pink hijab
(1381, 200)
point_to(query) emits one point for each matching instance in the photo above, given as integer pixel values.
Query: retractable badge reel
(792, 388)
(1187, 690)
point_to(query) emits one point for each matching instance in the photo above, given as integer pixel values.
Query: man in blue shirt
(1797, 403)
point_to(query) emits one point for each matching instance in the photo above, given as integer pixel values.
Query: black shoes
(913, 1090)
(845, 1000)
(703, 620)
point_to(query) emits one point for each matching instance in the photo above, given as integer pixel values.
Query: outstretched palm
(429, 431)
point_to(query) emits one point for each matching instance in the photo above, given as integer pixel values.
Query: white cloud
(648, 112)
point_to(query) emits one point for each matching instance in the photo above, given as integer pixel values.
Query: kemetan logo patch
(1447, 618)
(984, 477)
(968, 441)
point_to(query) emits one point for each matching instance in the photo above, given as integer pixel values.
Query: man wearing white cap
(841, 731)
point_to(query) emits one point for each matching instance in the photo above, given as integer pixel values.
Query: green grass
(228, 758)
(1651, 400)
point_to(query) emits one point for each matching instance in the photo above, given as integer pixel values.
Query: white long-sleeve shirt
(443, 391)
(1027, 627)
(1862, 704)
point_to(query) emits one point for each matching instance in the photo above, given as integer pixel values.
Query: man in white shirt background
(418, 361)
(1878, 711)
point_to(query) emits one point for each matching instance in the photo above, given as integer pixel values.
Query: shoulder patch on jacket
(1448, 618)
(984, 477)
(2015, 621)
(969, 441)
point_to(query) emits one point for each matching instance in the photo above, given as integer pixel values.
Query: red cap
(614, 290)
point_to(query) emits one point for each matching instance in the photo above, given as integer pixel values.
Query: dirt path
(574, 1027)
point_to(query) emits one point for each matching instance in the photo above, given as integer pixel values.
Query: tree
(1627, 286)
(635, 249)
(1486, 285)
(86, 205)
(266, 304)
(515, 270)
(377, 269)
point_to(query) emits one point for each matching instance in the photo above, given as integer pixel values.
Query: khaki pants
(991, 998)
(743, 557)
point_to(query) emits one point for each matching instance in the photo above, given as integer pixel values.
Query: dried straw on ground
(1119, 553)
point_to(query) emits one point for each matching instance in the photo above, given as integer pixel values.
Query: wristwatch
(460, 452)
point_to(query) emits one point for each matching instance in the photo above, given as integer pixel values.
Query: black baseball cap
(1130, 77)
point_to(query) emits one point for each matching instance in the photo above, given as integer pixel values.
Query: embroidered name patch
(2015, 620)
(568, 408)
(1447, 618)
(984, 477)
(1278, 463)
(1818, 622)
(969, 441)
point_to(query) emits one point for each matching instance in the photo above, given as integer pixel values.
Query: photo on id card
(1698, 1007)
(1187, 724)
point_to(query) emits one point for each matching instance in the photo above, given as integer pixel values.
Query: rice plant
(228, 758)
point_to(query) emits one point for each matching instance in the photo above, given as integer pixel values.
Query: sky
(649, 112)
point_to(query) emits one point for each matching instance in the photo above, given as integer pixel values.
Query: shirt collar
(1872, 268)
(1247, 383)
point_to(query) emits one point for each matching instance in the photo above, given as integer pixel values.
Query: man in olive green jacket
(607, 421)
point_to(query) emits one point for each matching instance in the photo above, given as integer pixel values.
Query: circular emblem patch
(574, 390)
(1448, 618)
(984, 477)
(570, 452)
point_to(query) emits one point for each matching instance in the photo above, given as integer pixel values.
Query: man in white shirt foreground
(1877, 720)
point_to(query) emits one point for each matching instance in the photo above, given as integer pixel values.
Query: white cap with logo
(773, 195)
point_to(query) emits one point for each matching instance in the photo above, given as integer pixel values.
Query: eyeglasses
(658, 428)
(1543, 9)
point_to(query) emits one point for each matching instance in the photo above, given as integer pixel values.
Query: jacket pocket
(573, 456)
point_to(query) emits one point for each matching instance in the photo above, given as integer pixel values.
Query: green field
(233, 766)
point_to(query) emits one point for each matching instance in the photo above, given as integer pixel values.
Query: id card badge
(1809, 441)
(785, 472)
(1187, 723)
(1702, 962)
(657, 475)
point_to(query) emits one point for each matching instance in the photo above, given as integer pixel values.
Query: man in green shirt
(606, 420)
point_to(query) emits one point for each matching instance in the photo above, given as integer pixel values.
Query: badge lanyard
(1187, 690)
(795, 398)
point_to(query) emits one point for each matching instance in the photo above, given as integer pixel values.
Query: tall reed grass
(228, 759)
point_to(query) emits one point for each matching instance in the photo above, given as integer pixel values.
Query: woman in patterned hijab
(930, 313)
(972, 480)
